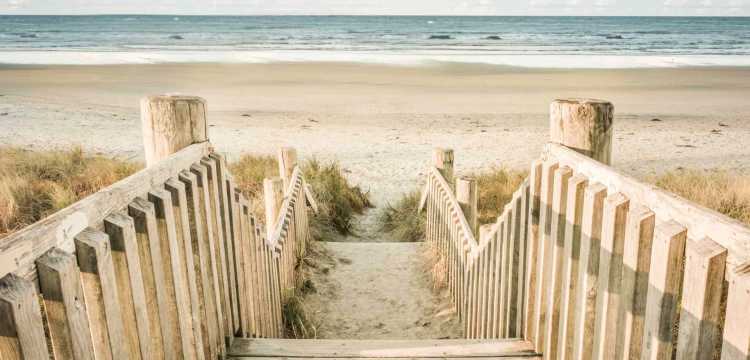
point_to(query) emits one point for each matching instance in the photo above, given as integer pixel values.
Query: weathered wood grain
(100, 291)
(21, 327)
(19, 250)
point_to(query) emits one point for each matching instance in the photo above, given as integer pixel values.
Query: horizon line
(366, 15)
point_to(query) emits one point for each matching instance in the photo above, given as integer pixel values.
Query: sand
(381, 122)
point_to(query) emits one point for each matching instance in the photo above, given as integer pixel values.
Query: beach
(382, 121)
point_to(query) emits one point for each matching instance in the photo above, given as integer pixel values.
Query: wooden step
(381, 349)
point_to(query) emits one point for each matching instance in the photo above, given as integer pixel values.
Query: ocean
(558, 42)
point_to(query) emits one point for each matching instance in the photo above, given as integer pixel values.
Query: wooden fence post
(467, 196)
(287, 162)
(442, 159)
(171, 123)
(273, 193)
(584, 125)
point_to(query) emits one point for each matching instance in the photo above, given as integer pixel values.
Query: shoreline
(56, 57)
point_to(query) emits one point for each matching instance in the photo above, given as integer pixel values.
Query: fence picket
(100, 291)
(556, 242)
(214, 199)
(569, 273)
(705, 261)
(588, 269)
(132, 297)
(639, 236)
(177, 190)
(60, 285)
(736, 341)
(532, 250)
(543, 260)
(665, 279)
(162, 341)
(23, 332)
(178, 316)
(199, 234)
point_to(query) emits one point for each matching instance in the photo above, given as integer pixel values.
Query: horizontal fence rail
(168, 263)
(587, 263)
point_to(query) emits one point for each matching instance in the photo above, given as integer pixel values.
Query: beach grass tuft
(496, 187)
(35, 184)
(338, 200)
(402, 221)
(722, 191)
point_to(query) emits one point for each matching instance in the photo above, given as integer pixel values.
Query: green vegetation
(34, 184)
(496, 187)
(338, 202)
(402, 220)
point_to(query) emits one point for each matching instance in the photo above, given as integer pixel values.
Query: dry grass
(34, 184)
(726, 193)
(402, 221)
(496, 187)
(249, 172)
(338, 200)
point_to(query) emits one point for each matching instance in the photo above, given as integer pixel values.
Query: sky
(383, 7)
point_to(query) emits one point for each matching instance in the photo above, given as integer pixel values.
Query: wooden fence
(167, 263)
(587, 263)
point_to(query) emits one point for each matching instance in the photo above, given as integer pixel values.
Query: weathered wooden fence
(167, 263)
(588, 263)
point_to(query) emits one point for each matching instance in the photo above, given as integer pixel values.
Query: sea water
(559, 42)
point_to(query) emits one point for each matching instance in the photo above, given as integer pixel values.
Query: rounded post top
(173, 97)
(584, 125)
(583, 101)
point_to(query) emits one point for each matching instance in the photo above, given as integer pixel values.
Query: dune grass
(35, 184)
(724, 192)
(402, 221)
(338, 202)
(496, 187)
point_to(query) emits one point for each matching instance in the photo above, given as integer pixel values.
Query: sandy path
(379, 290)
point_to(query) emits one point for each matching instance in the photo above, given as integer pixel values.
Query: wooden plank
(665, 279)
(532, 250)
(498, 315)
(199, 234)
(588, 270)
(522, 260)
(238, 239)
(700, 221)
(515, 272)
(309, 348)
(610, 271)
(21, 327)
(178, 316)
(214, 200)
(19, 250)
(60, 284)
(180, 211)
(100, 293)
(221, 175)
(736, 340)
(700, 311)
(543, 256)
(247, 258)
(130, 291)
(556, 244)
(149, 250)
(208, 253)
(639, 236)
(569, 273)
